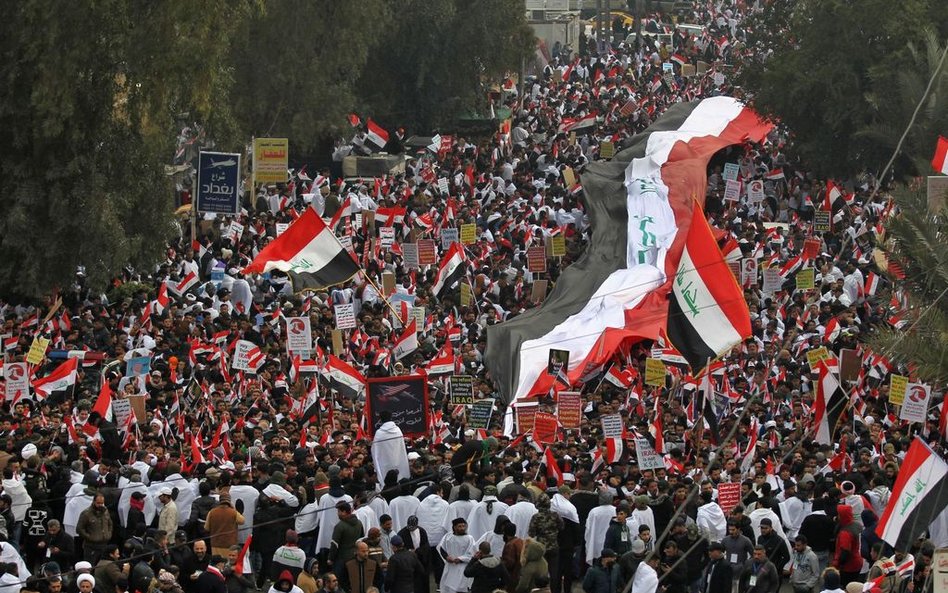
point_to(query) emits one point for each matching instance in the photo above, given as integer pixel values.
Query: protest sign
(667, 67)
(218, 183)
(37, 350)
(607, 149)
(772, 280)
(405, 398)
(387, 236)
(898, 385)
(729, 495)
(235, 231)
(346, 242)
(612, 426)
(731, 171)
(755, 191)
(718, 79)
(478, 415)
(388, 283)
(811, 248)
(410, 255)
(443, 186)
(732, 190)
(654, 372)
(17, 378)
(270, 160)
(558, 246)
(299, 335)
(544, 428)
(536, 259)
(138, 407)
(525, 415)
(569, 177)
(418, 314)
(647, 456)
(462, 390)
(849, 364)
(915, 405)
(569, 409)
(138, 366)
(449, 235)
(822, 221)
(345, 316)
(805, 279)
(242, 351)
(538, 292)
(467, 296)
(748, 271)
(121, 410)
(468, 233)
(282, 226)
(558, 359)
(814, 356)
(427, 255)
(337, 348)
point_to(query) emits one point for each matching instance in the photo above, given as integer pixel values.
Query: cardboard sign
(410, 255)
(558, 359)
(898, 385)
(388, 283)
(607, 150)
(732, 190)
(755, 191)
(544, 428)
(915, 404)
(121, 410)
(729, 495)
(731, 171)
(17, 378)
(37, 350)
(270, 160)
(387, 236)
(557, 245)
(647, 456)
(346, 242)
(822, 221)
(805, 279)
(538, 292)
(569, 178)
(478, 415)
(655, 372)
(418, 313)
(138, 366)
(468, 233)
(748, 271)
(299, 335)
(772, 280)
(569, 409)
(462, 390)
(940, 564)
(612, 426)
(811, 248)
(536, 259)
(525, 415)
(814, 356)
(849, 364)
(449, 235)
(687, 70)
(427, 255)
(242, 350)
(345, 316)
(467, 296)
(138, 407)
(337, 342)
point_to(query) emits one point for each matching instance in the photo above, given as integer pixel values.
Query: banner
(536, 259)
(218, 183)
(569, 409)
(426, 252)
(647, 456)
(822, 221)
(270, 160)
(299, 335)
(525, 415)
(406, 398)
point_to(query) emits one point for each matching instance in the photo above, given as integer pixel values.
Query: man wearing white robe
(520, 515)
(403, 506)
(483, 516)
(597, 523)
(388, 449)
(326, 518)
(457, 549)
(641, 515)
(495, 537)
(431, 513)
(794, 510)
(711, 519)
(461, 507)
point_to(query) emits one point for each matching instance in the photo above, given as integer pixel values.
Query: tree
(916, 240)
(825, 72)
(436, 58)
(296, 63)
(87, 104)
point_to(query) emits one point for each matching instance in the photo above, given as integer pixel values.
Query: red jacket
(847, 557)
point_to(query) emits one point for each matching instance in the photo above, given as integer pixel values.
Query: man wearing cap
(456, 549)
(718, 576)
(85, 583)
(221, 525)
(602, 576)
(168, 516)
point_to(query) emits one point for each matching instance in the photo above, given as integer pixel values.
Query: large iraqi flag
(641, 206)
(920, 494)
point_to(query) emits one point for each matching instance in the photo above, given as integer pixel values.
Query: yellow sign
(654, 372)
(558, 246)
(466, 296)
(813, 357)
(607, 150)
(569, 178)
(37, 350)
(270, 160)
(468, 233)
(897, 388)
(805, 279)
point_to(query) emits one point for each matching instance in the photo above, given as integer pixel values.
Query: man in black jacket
(415, 539)
(718, 577)
(404, 569)
(486, 570)
(111, 441)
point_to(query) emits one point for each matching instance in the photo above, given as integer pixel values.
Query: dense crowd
(228, 482)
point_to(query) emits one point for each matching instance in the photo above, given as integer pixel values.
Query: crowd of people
(224, 481)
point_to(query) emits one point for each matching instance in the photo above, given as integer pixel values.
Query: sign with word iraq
(218, 182)
(647, 456)
(462, 390)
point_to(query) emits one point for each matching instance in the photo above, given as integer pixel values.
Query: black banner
(406, 398)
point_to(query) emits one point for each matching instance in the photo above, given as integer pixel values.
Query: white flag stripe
(314, 256)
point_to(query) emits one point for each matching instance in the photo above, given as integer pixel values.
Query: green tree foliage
(834, 70)
(916, 240)
(296, 63)
(87, 98)
(434, 59)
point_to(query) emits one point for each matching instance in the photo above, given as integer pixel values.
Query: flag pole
(382, 295)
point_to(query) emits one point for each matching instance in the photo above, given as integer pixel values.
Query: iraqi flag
(940, 162)
(309, 253)
(63, 377)
(552, 468)
(407, 342)
(443, 362)
(450, 269)
(872, 284)
(607, 299)
(707, 313)
(572, 124)
(185, 284)
(829, 405)
(376, 134)
(920, 494)
(343, 378)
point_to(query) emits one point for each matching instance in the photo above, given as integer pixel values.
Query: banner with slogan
(569, 409)
(544, 428)
(270, 160)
